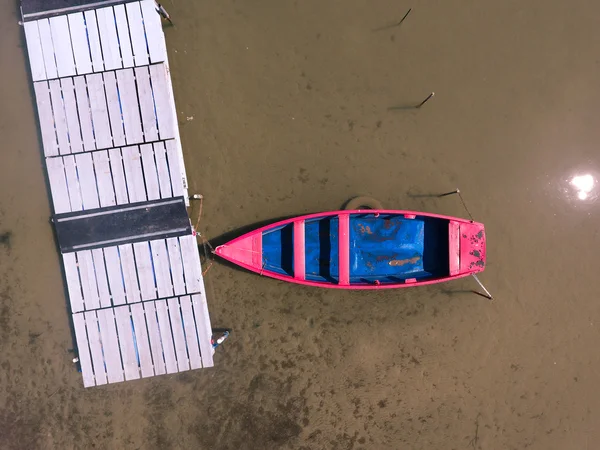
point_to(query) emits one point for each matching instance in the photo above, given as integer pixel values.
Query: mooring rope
(203, 240)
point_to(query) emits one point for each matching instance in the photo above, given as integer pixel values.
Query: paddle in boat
(362, 249)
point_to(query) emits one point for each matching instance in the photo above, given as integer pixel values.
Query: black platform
(122, 224)
(38, 9)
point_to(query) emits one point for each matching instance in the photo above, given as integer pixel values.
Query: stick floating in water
(457, 191)
(450, 193)
(393, 25)
(483, 287)
(426, 100)
(405, 16)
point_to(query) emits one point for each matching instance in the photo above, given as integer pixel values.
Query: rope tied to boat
(205, 243)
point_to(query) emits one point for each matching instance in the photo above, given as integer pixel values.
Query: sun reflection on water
(584, 184)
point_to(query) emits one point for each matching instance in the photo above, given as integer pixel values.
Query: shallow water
(284, 109)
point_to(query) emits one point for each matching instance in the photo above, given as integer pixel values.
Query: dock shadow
(34, 110)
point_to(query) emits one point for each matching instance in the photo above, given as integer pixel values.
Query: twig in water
(393, 25)
(50, 396)
(405, 16)
(426, 100)
(475, 440)
(457, 191)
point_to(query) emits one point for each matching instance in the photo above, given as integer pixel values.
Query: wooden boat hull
(372, 249)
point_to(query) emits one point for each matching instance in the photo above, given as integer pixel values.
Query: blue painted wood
(278, 247)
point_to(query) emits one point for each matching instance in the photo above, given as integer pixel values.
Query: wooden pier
(118, 185)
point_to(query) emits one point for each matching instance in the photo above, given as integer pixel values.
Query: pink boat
(362, 249)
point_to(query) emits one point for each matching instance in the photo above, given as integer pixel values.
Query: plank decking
(118, 185)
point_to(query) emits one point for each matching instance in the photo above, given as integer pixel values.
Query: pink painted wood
(344, 249)
(472, 248)
(247, 251)
(257, 250)
(299, 256)
(454, 246)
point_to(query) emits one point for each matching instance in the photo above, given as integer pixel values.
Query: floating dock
(118, 185)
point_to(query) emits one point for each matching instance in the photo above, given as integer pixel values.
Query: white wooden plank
(87, 181)
(85, 113)
(137, 33)
(47, 48)
(146, 100)
(129, 106)
(204, 329)
(126, 343)
(83, 350)
(93, 331)
(141, 340)
(73, 283)
(176, 263)
(154, 33)
(160, 260)
(73, 126)
(87, 274)
(44, 107)
(178, 334)
(166, 336)
(174, 168)
(34, 51)
(110, 345)
(115, 275)
(114, 109)
(58, 185)
(158, 356)
(99, 110)
(150, 172)
(123, 33)
(101, 277)
(63, 50)
(191, 264)
(60, 118)
(106, 190)
(145, 271)
(191, 336)
(132, 290)
(79, 41)
(133, 174)
(91, 24)
(118, 174)
(72, 183)
(108, 38)
(162, 102)
(164, 178)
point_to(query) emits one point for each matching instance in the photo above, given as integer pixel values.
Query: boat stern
(246, 251)
(466, 247)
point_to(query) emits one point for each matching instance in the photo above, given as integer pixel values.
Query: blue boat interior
(387, 249)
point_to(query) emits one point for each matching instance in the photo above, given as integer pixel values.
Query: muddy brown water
(283, 109)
